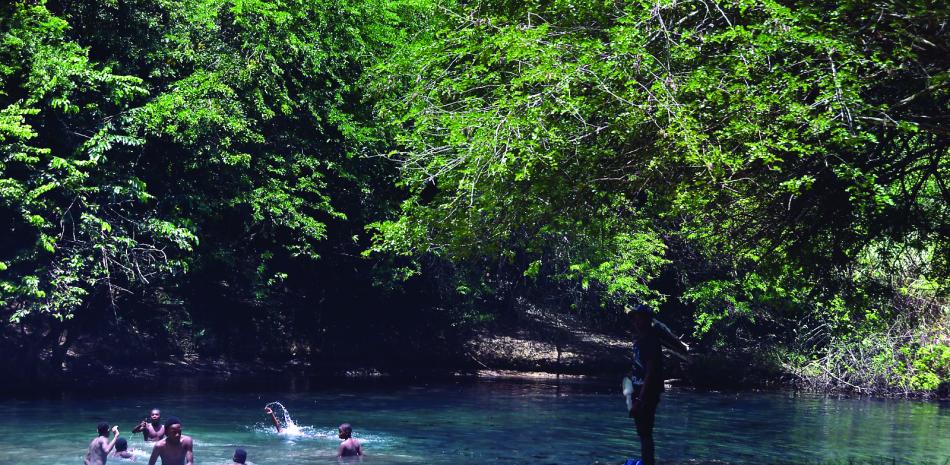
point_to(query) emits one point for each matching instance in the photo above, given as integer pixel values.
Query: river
(485, 422)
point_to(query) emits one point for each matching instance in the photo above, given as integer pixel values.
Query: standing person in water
(273, 418)
(100, 447)
(350, 447)
(647, 379)
(175, 449)
(151, 427)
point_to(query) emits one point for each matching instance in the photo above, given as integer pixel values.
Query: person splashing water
(285, 424)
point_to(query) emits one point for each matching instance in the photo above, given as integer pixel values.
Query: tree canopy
(767, 171)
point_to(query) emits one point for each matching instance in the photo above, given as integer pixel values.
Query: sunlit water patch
(491, 423)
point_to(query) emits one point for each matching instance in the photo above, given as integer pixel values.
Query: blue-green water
(490, 423)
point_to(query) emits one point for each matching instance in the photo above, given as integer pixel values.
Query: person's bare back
(175, 449)
(350, 448)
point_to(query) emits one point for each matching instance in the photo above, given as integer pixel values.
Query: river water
(487, 422)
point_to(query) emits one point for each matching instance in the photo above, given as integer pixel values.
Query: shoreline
(191, 372)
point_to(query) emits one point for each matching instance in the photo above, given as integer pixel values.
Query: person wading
(647, 379)
(176, 448)
(100, 447)
(151, 427)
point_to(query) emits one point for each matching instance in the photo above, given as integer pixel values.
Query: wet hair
(103, 429)
(121, 445)
(347, 429)
(240, 455)
(172, 421)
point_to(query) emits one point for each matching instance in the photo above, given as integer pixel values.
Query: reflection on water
(491, 423)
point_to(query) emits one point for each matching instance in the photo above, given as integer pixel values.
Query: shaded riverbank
(537, 344)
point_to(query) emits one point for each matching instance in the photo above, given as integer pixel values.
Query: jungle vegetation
(187, 176)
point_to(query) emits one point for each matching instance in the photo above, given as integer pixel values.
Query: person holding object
(151, 427)
(100, 447)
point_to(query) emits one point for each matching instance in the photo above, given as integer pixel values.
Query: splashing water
(288, 427)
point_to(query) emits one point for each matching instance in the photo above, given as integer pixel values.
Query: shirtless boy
(100, 447)
(151, 428)
(122, 451)
(350, 447)
(175, 449)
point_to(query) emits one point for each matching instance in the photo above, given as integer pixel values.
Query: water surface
(488, 423)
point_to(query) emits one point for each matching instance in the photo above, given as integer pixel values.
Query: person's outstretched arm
(115, 437)
(273, 417)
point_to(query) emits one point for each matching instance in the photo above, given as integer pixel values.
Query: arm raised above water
(106, 448)
(273, 417)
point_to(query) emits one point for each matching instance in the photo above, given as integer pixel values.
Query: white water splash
(288, 427)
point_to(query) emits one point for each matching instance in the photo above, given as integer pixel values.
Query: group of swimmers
(174, 448)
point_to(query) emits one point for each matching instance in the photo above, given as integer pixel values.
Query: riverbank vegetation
(381, 182)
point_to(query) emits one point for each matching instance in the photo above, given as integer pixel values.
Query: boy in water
(100, 447)
(240, 456)
(647, 379)
(151, 427)
(175, 449)
(350, 447)
(122, 451)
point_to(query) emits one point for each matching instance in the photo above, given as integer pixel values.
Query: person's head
(641, 316)
(121, 445)
(240, 455)
(346, 430)
(103, 429)
(155, 416)
(173, 429)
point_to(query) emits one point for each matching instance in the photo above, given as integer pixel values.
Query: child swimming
(350, 447)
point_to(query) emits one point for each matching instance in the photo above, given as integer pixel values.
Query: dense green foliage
(773, 175)
(788, 162)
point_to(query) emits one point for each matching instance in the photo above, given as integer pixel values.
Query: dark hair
(103, 428)
(172, 421)
(346, 428)
(121, 445)
(638, 310)
(240, 455)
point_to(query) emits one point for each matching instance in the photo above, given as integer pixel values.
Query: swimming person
(100, 447)
(350, 447)
(175, 449)
(151, 427)
(240, 456)
(122, 451)
(647, 379)
(273, 418)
